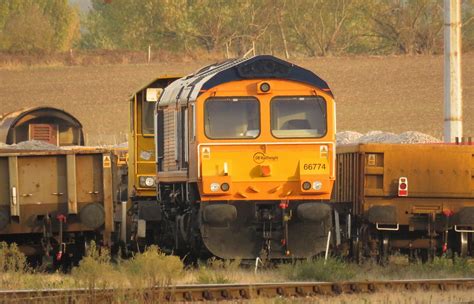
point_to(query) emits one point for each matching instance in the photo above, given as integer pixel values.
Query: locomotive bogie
(266, 229)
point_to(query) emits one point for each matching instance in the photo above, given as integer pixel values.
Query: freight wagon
(52, 203)
(416, 198)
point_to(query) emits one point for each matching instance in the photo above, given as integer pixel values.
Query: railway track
(217, 292)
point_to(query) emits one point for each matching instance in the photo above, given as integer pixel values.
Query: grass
(319, 270)
(153, 268)
(216, 271)
(334, 270)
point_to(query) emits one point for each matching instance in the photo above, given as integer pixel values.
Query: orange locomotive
(245, 161)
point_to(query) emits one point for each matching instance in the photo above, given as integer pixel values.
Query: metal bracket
(258, 261)
(463, 230)
(396, 228)
(337, 227)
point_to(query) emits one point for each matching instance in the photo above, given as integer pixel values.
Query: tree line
(233, 28)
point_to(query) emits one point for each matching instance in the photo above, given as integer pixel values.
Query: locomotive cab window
(298, 117)
(148, 118)
(232, 118)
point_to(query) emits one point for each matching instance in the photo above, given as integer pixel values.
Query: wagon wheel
(463, 244)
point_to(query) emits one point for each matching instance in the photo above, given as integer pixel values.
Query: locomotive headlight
(306, 186)
(215, 187)
(317, 185)
(147, 181)
(225, 187)
(265, 87)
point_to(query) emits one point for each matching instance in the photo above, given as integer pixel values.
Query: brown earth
(393, 94)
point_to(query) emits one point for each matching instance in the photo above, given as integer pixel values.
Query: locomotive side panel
(170, 140)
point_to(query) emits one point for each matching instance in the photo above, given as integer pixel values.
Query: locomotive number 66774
(245, 161)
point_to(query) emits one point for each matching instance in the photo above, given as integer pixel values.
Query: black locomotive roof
(263, 66)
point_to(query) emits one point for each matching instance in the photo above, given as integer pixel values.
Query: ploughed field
(392, 94)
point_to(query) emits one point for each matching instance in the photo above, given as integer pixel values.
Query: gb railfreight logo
(260, 157)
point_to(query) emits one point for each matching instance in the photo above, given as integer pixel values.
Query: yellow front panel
(267, 171)
(244, 161)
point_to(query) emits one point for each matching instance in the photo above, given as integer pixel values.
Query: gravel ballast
(342, 138)
(409, 137)
(30, 145)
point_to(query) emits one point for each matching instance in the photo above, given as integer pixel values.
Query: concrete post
(452, 71)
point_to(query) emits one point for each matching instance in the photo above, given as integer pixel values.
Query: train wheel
(463, 244)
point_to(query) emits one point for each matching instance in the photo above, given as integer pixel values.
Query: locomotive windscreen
(227, 118)
(302, 117)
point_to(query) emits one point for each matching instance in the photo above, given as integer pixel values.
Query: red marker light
(445, 247)
(265, 170)
(448, 212)
(402, 186)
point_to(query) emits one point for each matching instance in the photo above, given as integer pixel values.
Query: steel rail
(216, 292)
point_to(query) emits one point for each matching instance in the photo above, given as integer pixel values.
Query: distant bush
(39, 26)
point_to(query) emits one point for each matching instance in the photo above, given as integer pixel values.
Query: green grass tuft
(319, 270)
(216, 271)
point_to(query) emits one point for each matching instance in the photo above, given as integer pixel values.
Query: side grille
(44, 132)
